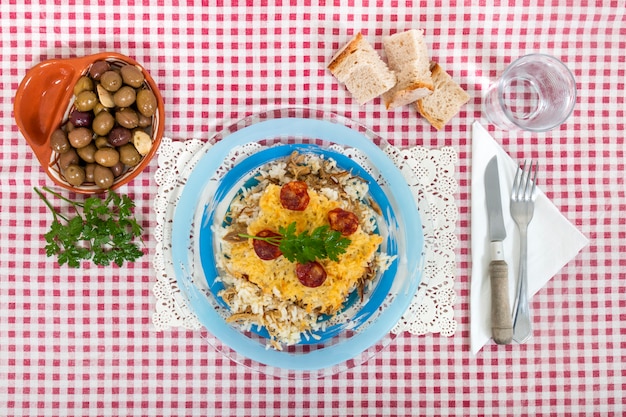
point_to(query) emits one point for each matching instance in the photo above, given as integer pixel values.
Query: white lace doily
(430, 175)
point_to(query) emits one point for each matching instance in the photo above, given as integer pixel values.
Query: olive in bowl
(93, 122)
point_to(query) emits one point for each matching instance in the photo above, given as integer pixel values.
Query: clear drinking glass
(537, 92)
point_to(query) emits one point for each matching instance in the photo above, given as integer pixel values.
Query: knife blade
(501, 321)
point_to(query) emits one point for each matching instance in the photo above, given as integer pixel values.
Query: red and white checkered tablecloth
(80, 342)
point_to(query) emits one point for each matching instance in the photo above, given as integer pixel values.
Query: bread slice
(411, 86)
(361, 69)
(407, 56)
(445, 101)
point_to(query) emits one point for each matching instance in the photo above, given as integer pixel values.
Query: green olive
(103, 123)
(144, 121)
(124, 97)
(129, 155)
(86, 101)
(132, 76)
(102, 142)
(99, 108)
(59, 142)
(127, 118)
(102, 176)
(146, 102)
(74, 174)
(107, 157)
(111, 80)
(84, 83)
(79, 137)
(68, 158)
(87, 153)
(89, 168)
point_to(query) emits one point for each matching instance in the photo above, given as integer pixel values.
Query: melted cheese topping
(278, 276)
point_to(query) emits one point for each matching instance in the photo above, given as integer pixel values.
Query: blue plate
(206, 195)
(238, 177)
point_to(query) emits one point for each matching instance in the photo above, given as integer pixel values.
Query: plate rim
(264, 129)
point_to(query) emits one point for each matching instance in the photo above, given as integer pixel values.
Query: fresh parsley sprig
(304, 247)
(101, 230)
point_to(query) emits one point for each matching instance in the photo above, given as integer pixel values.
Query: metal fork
(522, 208)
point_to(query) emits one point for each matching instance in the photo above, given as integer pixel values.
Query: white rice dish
(267, 293)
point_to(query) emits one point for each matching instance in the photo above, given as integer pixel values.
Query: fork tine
(515, 193)
(535, 178)
(527, 175)
(531, 179)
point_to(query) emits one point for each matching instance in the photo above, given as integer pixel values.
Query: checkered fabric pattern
(80, 342)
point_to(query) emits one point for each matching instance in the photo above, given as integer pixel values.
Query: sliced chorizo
(343, 221)
(311, 274)
(294, 195)
(264, 249)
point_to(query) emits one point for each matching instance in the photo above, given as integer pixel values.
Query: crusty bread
(411, 86)
(445, 101)
(361, 69)
(407, 56)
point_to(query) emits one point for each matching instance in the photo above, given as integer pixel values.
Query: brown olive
(79, 137)
(111, 80)
(119, 136)
(87, 153)
(74, 174)
(89, 172)
(86, 101)
(102, 176)
(103, 123)
(84, 83)
(117, 169)
(98, 68)
(124, 97)
(129, 155)
(146, 102)
(127, 118)
(132, 76)
(144, 121)
(81, 118)
(102, 142)
(59, 142)
(107, 157)
(68, 158)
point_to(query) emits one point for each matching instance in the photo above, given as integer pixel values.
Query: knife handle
(501, 322)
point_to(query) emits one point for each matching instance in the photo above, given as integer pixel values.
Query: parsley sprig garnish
(304, 247)
(101, 230)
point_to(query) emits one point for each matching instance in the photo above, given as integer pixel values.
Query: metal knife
(501, 321)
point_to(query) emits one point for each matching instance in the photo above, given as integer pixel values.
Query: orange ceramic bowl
(45, 99)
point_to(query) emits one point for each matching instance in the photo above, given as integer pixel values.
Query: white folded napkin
(552, 240)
